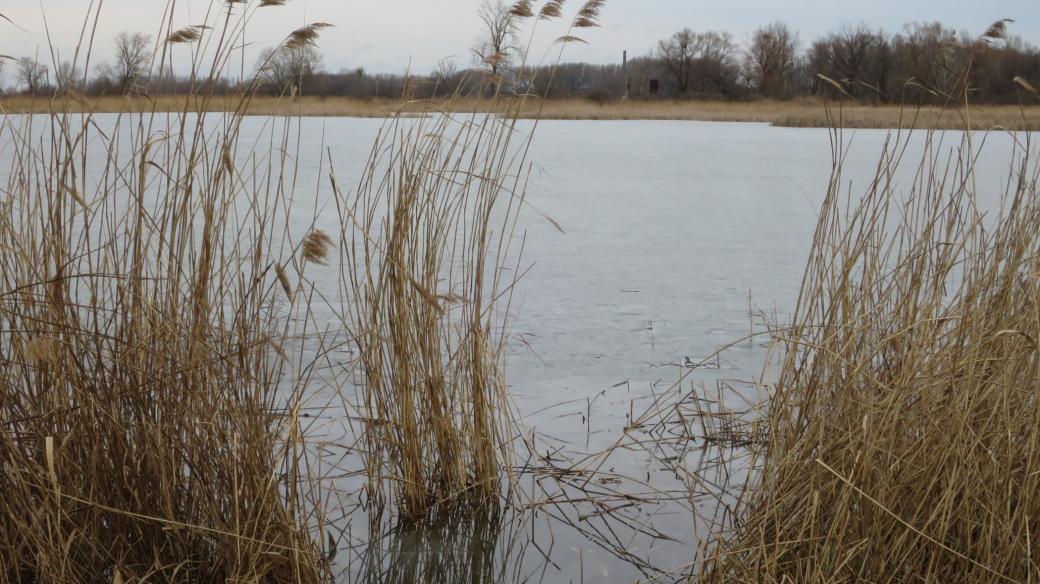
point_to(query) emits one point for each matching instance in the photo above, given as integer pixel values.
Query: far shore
(802, 113)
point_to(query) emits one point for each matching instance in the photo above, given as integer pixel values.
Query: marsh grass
(160, 331)
(431, 255)
(804, 113)
(426, 241)
(902, 437)
(150, 427)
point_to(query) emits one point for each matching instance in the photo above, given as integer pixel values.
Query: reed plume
(588, 15)
(522, 9)
(315, 247)
(187, 34)
(551, 9)
(305, 35)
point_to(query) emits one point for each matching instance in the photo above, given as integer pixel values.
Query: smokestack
(624, 69)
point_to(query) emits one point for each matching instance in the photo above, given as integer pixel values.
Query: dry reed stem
(428, 232)
(903, 441)
(148, 423)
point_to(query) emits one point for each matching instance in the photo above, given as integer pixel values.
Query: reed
(902, 439)
(149, 413)
(431, 255)
(157, 303)
(804, 113)
(427, 238)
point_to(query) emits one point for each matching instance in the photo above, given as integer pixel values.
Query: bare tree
(716, 46)
(497, 41)
(716, 69)
(706, 58)
(3, 63)
(285, 68)
(445, 76)
(32, 74)
(771, 59)
(926, 53)
(132, 59)
(677, 53)
(848, 56)
(67, 77)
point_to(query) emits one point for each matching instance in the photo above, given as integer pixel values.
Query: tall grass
(431, 254)
(149, 414)
(429, 232)
(156, 297)
(903, 440)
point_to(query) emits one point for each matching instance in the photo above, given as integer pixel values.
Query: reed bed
(431, 254)
(426, 238)
(800, 113)
(902, 441)
(149, 410)
(148, 413)
(165, 324)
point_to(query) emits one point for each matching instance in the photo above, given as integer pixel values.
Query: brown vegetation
(157, 295)
(153, 291)
(150, 424)
(806, 113)
(426, 238)
(902, 437)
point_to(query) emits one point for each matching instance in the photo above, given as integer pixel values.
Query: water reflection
(484, 549)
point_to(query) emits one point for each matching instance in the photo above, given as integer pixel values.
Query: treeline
(926, 62)
(923, 63)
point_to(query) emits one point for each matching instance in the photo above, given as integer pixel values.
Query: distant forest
(922, 63)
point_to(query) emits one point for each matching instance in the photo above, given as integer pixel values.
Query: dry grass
(430, 256)
(798, 113)
(156, 309)
(150, 427)
(425, 237)
(903, 442)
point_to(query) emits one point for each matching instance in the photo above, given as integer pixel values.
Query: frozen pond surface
(677, 239)
(670, 229)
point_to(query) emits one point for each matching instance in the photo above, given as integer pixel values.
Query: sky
(395, 35)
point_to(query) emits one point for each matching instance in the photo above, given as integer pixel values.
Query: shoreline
(793, 114)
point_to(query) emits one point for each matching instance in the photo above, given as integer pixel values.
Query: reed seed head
(283, 280)
(998, 30)
(551, 9)
(588, 15)
(188, 34)
(306, 35)
(522, 9)
(41, 351)
(316, 247)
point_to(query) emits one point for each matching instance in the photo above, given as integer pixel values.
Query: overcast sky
(387, 35)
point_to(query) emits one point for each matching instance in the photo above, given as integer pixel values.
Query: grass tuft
(903, 441)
